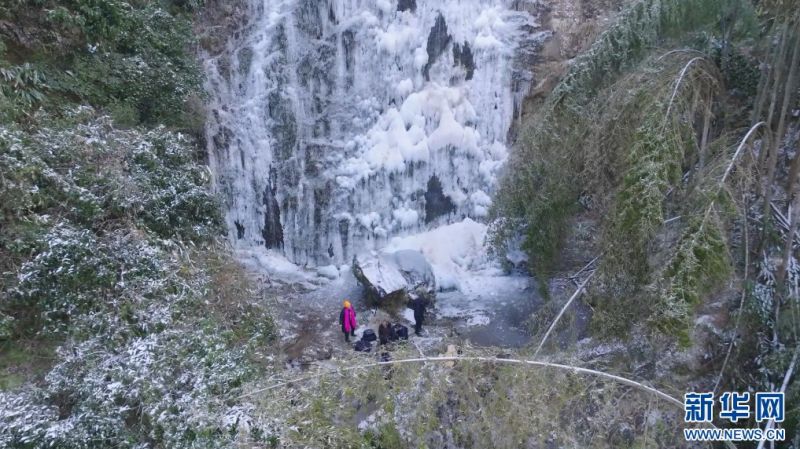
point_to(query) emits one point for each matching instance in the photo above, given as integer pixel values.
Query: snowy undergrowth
(108, 246)
(459, 404)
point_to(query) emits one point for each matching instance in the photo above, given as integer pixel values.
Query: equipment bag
(401, 331)
(362, 346)
(369, 335)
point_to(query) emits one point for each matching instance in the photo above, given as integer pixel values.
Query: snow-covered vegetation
(680, 136)
(110, 260)
(111, 236)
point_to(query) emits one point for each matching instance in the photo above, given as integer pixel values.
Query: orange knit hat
(346, 304)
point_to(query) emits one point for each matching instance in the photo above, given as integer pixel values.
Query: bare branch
(563, 309)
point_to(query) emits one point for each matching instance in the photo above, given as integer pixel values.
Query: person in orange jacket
(347, 318)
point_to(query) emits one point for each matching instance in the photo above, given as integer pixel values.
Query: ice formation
(338, 125)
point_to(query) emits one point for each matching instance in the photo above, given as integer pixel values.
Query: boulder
(397, 276)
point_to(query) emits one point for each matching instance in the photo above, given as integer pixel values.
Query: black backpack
(369, 335)
(362, 346)
(401, 331)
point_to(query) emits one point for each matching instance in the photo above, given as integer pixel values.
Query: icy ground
(480, 304)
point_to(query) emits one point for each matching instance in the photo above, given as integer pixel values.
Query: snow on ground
(280, 269)
(328, 271)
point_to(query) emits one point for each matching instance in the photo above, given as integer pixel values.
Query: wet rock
(462, 55)
(239, 230)
(438, 40)
(407, 5)
(272, 232)
(245, 59)
(398, 276)
(436, 202)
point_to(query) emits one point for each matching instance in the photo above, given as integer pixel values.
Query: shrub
(94, 218)
(131, 57)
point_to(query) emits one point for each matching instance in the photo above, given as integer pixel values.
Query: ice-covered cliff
(338, 124)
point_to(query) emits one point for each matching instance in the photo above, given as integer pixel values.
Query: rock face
(398, 276)
(575, 25)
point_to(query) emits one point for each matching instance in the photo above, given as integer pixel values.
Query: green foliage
(21, 87)
(76, 274)
(6, 326)
(700, 262)
(641, 26)
(146, 176)
(174, 200)
(546, 177)
(128, 56)
(389, 437)
(468, 405)
(167, 390)
(616, 136)
(146, 68)
(539, 194)
(107, 236)
(740, 72)
(653, 167)
(94, 223)
(98, 181)
(24, 361)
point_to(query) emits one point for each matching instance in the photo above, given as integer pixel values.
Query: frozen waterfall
(338, 124)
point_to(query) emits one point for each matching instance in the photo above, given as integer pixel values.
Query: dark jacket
(384, 331)
(418, 306)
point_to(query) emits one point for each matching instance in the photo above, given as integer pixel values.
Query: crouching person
(385, 331)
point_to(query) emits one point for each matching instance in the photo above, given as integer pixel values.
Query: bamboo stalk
(789, 244)
(704, 136)
(772, 159)
(679, 81)
(741, 300)
(575, 369)
(783, 223)
(680, 50)
(563, 309)
(585, 267)
(786, 378)
(791, 189)
(535, 363)
(765, 80)
(788, 93)
(728, 170)
(739, 150)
